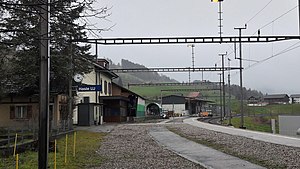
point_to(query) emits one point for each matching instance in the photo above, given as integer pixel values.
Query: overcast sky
(166, 18)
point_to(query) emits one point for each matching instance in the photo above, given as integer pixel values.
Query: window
(86, 99)
(109, 89)
(101, 85)
(20, 112)
(51, 109)
(105, 87)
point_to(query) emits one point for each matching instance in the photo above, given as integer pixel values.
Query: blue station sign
(90, 88)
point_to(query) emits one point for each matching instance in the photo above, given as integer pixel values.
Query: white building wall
(178, 108)
(297, 100)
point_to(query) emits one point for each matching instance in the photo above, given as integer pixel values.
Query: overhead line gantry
(188, 90)
(181, 40)
(173, 84)
(169, 69)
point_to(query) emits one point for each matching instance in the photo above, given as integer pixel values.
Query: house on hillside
(255, 101)
(123, 105)
(277, 99)
(22, 112)
(295, 98)
(89, 108)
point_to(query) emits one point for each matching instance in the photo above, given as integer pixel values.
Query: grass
(271, 110)
(86, 157)
(259, 118)
(262, 124)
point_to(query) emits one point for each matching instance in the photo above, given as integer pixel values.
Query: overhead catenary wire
(271, 22)
(262, 27)
(233, 50)
(259, 12)
(288, 49)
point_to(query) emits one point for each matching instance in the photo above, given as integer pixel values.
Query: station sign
(89, 88)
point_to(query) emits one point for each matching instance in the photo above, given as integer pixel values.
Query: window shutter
(12, 112)
(29, 112)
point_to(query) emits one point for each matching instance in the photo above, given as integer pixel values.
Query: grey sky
(157, 18)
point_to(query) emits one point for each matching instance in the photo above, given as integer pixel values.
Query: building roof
(114, 98)
(127, 90)
(174, 95)
(254, 98)
(99, 67)
(104, 70)
(193, 94)
(276, 96)
(295, 96)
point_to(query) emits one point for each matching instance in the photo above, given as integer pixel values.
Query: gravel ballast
(130, 146)
(267, 154)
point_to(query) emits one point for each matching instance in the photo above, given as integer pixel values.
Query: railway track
(210, 120)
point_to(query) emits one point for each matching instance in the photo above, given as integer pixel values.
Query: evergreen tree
(19, 32)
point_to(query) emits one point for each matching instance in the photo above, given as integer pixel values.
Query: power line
(259, 12)
(277, 18)
(290, 48)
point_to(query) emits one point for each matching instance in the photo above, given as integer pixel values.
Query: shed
(295, 98)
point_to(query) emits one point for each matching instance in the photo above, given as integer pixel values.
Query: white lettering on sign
(84, 88)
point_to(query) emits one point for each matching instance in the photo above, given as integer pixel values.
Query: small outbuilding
(123, 105)
(295, 98)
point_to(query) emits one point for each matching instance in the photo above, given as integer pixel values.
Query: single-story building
(295, 98)
(277, 99)
(185, 105)
(175, 103)
(123, 105)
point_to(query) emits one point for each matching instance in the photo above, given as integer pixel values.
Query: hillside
(154, 91)
(140, 77)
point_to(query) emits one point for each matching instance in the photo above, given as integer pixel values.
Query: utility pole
(193, 60)
(220, 18)
(43, 139)
(189, 75)
(161, 98)
(223, 83)
(96, 92)
(70, 99)
(229, 93)
(221, 114)
(299, 15)
(241, 75)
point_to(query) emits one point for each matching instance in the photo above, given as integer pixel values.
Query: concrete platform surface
(262, 136)
(200, 154)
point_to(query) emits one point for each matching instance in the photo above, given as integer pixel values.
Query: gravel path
(269, 154)
(130, 146)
